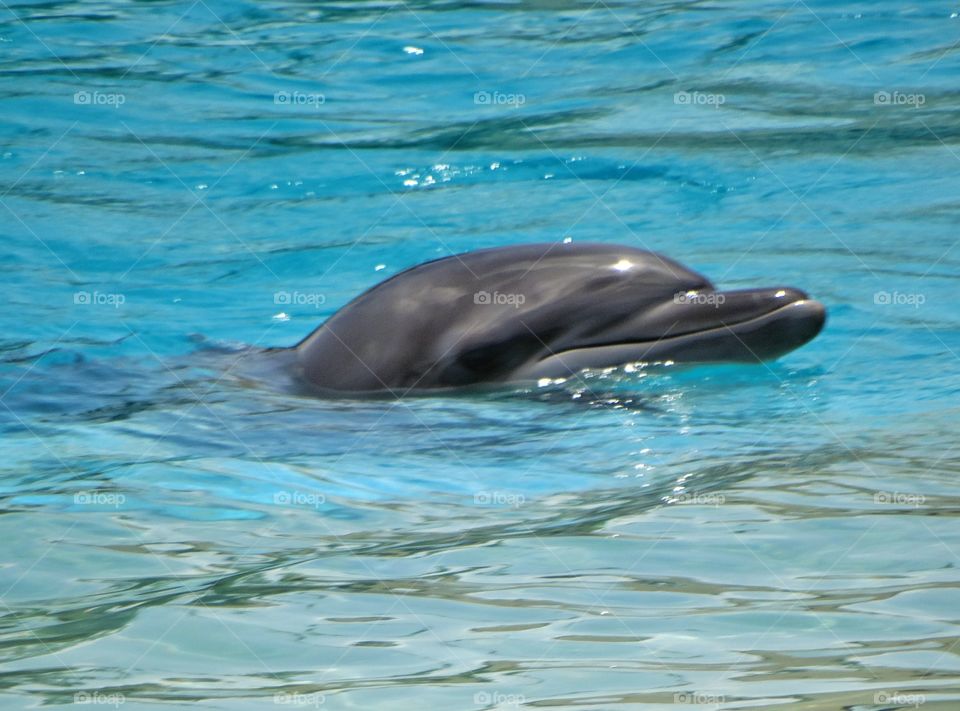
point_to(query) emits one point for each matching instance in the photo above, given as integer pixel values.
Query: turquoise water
(176, 531)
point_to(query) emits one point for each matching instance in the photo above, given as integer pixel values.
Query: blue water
(176, 532)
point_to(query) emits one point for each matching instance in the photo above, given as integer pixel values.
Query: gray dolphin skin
(534, 311)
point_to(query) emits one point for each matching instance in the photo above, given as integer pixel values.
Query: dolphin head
(547, 310)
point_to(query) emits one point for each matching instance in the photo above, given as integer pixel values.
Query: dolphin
(533, 311)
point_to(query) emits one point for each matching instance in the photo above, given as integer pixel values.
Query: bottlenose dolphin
(535, 311)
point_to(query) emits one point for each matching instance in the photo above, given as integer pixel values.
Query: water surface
(175, 533)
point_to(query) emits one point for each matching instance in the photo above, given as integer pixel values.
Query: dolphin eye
(489, 358)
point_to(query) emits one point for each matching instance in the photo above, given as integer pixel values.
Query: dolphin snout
(745, 325)
(793, 319)
(804, 319)
(744, 304)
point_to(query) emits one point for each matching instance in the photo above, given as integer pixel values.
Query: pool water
(181, 181)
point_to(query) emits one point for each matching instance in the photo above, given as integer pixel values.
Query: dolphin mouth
(765, 331)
